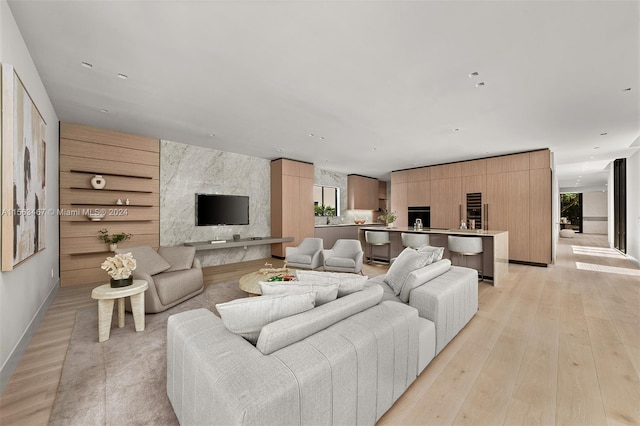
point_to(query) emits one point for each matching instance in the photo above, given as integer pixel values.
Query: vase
(122, 282)
(113, 247)
(98, 182)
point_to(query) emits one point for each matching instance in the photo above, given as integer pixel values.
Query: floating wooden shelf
(115, 206)
(113, 190)
(93, 172)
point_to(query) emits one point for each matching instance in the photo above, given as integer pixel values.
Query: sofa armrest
(450, 301)
(196, 264)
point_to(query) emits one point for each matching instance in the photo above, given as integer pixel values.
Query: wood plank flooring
(556, 345)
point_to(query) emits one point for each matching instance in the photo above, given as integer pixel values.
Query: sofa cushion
(408, 261)
(340, 262)
(172, 286)
(422, 276)
(179, 257)
(284, 332)
(426, 249)
(388, 291)
(347, 283)
(147, 260)
(324, 292)
(247, 316)
(304, 259)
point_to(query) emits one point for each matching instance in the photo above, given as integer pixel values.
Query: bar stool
(377, 238)
(467, 246)
(414, 240)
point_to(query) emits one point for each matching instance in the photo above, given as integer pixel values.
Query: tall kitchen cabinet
(362, 193)
(446, 196)
(291, 202)
(399, 202)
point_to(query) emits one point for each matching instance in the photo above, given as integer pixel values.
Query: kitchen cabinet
(446, 202)
(362, 193)
(291, 203)
(540, 216)
(399, 202)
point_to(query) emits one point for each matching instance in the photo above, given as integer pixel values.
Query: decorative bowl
(96, 215)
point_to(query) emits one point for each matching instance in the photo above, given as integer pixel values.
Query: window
(326, 200)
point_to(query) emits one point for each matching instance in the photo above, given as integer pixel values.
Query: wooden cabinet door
(399, 203)
(419, 193)
(306, 221)
(446, 202)
(540, 216)
(508, 209)
(362, 193)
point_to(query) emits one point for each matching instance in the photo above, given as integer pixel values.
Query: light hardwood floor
(556, 345)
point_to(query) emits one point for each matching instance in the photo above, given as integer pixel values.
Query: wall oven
(423, 213)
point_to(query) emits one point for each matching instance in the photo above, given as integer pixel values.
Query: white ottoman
(567, 233)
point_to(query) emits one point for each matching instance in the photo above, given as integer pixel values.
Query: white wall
(594, 212)
(633, 206)
(24, 291)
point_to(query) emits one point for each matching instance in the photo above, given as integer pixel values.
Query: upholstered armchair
(308, 255)
(173, 273)
(345, 256)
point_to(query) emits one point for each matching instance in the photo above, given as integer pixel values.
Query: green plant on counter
(113, 238)
(388, 217)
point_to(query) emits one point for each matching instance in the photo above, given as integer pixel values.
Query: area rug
(123, 381)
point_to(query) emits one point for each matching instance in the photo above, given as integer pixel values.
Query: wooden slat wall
(131, 166)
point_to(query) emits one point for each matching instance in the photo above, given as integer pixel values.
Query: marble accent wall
(186, 170)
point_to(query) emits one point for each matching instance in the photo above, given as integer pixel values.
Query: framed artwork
(23, 173)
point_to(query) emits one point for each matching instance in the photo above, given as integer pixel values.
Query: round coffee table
(250, 283)
(105, 295)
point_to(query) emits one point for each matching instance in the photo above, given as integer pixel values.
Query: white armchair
(308, 255)
(345, 256)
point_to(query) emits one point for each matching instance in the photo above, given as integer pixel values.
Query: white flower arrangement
(119, 266)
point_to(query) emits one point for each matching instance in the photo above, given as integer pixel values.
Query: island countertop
(494, 262)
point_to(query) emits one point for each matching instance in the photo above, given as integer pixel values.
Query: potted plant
(388, 218)
(119, 268)
(113, 239)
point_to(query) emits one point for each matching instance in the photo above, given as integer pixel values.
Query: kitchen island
(495, 259)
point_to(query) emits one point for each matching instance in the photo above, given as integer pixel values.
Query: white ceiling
(384, 83)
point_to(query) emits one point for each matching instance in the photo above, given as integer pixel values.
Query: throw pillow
(247, 316)
(408, 261)
(439, 251)
(147, 260)
(422, 276)
(324, 292)
(347, 283)
(179, 257)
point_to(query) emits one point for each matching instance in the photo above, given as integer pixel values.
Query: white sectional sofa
(345, 362)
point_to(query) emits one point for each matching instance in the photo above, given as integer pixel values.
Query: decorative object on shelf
(119, 202)
(96, 215)
(126, 201)
(119, 268)
(23, 172)
(463, 224)
(359, 221)
(236, 237)
(113, 239)
(98, 182)
(388, 218)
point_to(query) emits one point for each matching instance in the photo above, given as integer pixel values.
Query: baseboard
(14, 359)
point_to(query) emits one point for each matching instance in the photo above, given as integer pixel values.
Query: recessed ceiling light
(596, 147)
(279, 149)
(592, 156)
(579, 176)
(480, 84)
(212, 135)
(628, 89)
(311, 134)
(456, 130)
(86, 65)
(122, 76)
(104, 110)
(322, 137)
(603, 134)
(474, 74)
(373, 149)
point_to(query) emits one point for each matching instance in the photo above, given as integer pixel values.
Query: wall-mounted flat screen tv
(215, 209)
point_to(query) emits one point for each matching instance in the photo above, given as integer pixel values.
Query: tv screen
(214, 209)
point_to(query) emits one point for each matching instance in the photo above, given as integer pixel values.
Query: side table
(105, 295)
